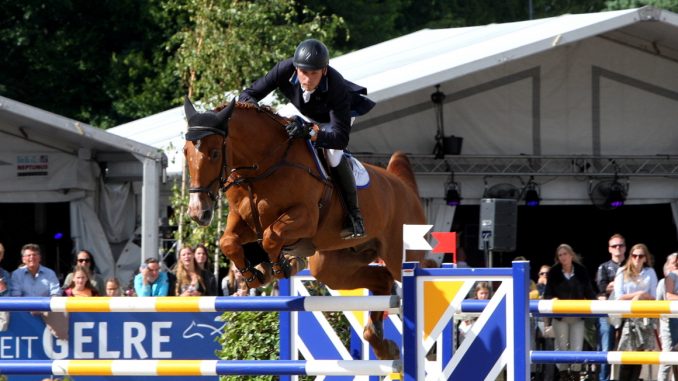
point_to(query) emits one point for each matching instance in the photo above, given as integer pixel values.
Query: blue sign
(115, 335)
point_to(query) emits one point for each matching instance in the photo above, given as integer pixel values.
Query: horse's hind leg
(346, 270)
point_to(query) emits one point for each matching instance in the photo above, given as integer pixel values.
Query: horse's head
(205, 156)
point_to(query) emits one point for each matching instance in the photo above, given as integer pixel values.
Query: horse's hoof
(257, 279)
(387, 350)
(282, 268)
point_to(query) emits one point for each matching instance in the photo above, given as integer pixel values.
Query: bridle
(195, 133)
(235, 178)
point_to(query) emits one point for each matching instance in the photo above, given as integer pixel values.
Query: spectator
(234, 283)
(151, 281)
(568, 279)
(33, 279)
(482, 291)
(636, 281)
(5, 286)
(86, 259)
(113, 287)
(81, 284)
(616, 246)
(204, 262)
(542, 279)
(5, 276)
(189, 280)
(668, 334)
(544, 337)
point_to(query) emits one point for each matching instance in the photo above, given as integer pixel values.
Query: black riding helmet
(311, 54)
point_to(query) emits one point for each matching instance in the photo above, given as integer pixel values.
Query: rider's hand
(299, 128)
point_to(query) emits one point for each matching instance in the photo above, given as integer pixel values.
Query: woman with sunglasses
(85, 259)
(568, 280)
(636, 280)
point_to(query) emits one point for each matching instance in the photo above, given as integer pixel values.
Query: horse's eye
(214, 154)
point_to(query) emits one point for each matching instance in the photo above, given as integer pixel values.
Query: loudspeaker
(498, 223)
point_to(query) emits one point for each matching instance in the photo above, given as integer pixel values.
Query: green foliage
(671, 5)
(250, 336)
(85, 60)
(256, 336)
(231, 43)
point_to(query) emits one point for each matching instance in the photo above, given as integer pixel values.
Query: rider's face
(310, 79)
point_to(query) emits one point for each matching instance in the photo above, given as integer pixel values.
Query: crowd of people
(191, 275)
(620, 278)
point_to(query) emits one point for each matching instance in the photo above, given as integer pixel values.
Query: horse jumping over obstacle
(278, 197)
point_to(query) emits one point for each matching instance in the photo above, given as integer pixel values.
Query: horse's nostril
(206, 215)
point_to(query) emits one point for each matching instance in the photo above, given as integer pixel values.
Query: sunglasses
(637, 255)
(618, 245)
(84, 261)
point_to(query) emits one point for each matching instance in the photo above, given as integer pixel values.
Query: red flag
(447, 242)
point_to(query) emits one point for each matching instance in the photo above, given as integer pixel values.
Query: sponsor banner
(30, 171)
(116, 335)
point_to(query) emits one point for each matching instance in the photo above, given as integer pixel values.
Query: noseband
(195, 133)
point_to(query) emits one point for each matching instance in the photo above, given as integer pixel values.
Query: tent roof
(428, 57)
(417, 61)
(68, 135)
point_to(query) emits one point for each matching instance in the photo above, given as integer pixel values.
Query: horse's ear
(189, 110)
(225, 114)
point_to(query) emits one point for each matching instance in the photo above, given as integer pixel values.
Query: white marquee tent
(565, 99)
(109, 181)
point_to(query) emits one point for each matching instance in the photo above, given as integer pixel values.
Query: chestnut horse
(277, 196)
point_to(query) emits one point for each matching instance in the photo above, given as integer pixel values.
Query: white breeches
(333, 156)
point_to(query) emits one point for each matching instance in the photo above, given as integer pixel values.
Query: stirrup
(354, 229)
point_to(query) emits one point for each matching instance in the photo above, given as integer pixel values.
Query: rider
(320, 93)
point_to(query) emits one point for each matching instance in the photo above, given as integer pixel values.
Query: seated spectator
(204, 262)
(5, 276)
(189, 279)
(33, 279)
(80, 284)
(482, 291)
(542, 279)
(234, 283)
(4, 290)
(113, 287)
(85, 259)
(151, 281)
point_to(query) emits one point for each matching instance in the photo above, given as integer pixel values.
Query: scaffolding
(532, 165)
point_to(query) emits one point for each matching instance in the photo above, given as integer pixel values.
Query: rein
(250, 180)
(236, 179)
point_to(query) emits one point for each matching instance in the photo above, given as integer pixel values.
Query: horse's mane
(268, 110)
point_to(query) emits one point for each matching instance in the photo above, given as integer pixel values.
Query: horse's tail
(400, 166)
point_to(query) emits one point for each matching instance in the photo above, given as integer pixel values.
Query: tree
(85, 60)
(231, 43)
(671, 5)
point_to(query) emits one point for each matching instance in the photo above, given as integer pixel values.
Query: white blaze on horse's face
(204, 166)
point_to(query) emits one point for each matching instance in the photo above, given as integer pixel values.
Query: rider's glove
(299, 128)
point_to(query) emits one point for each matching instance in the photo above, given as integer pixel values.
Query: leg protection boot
(354, 227)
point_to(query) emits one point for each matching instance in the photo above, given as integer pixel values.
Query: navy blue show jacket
(332, 105)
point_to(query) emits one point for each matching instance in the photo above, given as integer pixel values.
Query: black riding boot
(354, 226)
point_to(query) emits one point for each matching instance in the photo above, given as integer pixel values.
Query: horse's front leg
(296, 223)
(231, 241)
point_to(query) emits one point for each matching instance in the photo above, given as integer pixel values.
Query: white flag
(413, 237)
